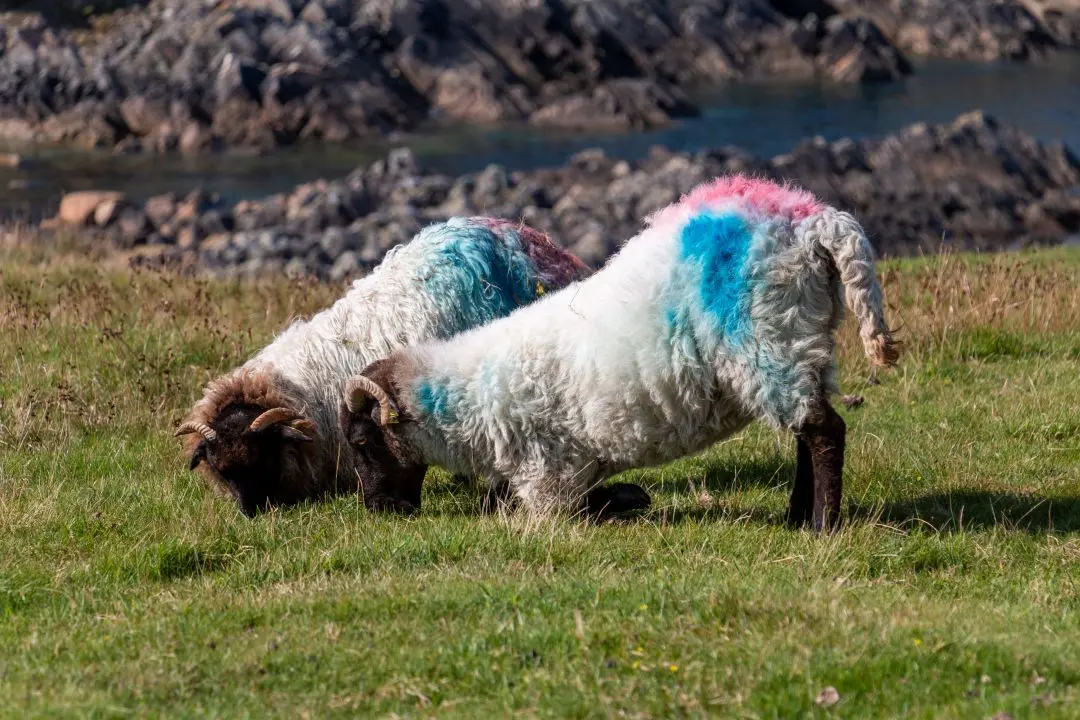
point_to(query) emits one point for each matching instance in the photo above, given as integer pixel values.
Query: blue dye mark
(476, 275)
(434, 400)
(718, 244)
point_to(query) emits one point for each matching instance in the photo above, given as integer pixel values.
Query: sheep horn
(194, 426)
(360, 387)
(273, 416)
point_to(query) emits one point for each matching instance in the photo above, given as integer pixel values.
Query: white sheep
(269, 431)
(721, 311)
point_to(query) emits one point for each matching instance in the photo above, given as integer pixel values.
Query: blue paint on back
(477, 274)
(718, 245)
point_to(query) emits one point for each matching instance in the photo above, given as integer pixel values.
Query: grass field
(126, 588)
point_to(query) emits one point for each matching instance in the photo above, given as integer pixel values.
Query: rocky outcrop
(970, 184)
(195, 75)
(973, 29)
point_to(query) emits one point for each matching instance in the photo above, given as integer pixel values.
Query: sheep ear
(198, 456)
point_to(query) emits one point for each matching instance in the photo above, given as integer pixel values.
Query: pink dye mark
(555, 266)
(762, 197)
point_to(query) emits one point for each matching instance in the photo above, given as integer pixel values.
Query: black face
(252, 464)
(387, 483)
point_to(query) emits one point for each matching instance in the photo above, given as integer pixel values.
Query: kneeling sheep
(722, 311)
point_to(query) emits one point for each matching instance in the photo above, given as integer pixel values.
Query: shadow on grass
(464, 496)
(954, 511)
(773, 472)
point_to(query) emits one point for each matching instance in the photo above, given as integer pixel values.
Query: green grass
(127, 588)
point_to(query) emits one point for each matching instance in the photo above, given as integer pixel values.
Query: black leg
(825, 438)
(498, 495)
(801, 509)
(609, 500)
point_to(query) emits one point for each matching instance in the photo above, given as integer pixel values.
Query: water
(766, 119)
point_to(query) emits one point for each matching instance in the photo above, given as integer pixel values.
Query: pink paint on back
(553, 264)
(762, 197)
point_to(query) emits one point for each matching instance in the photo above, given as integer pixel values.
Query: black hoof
(798, 517)
(617, 498)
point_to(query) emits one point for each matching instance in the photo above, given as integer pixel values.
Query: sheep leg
(499, 494)
(801, 508)
(616, 498)
(825, 438)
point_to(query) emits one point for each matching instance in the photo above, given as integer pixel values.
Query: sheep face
(258, 464)
(392, 479)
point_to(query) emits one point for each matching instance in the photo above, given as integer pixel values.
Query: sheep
(268, 434)
(722, 310)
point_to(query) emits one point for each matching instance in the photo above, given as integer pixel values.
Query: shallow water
(767, 119)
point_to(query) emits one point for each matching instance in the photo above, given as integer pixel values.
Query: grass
(127, 589)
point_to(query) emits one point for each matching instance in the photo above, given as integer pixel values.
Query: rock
(78, 208)
(347, 265)
(133, 227)
(143, 115)
(187, 238)
(974, 30)
(107, 212)
(197, 138)
(490, 184)
(160, 209)
(855, 51)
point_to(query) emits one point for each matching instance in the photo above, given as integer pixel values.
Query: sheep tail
(846, 245)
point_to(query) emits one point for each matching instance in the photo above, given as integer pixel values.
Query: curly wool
(452, 276)
(720, 312)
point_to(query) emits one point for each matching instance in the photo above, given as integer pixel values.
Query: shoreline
(973, 183)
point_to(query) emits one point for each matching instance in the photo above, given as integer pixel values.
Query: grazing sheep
(268, 432)
(721, 311)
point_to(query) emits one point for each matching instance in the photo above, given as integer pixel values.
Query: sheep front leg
(824, 436)
(499, 495)
(616, 498)
(801, 508)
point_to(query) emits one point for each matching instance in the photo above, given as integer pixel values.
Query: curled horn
(194, 426)
(273, 416)
(360, 387)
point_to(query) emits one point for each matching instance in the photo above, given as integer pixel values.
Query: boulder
(78, 208)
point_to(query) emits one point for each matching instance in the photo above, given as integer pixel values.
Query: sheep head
(371, 419)
(250, 443)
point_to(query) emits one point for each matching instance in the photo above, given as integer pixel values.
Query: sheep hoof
(614, 499)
